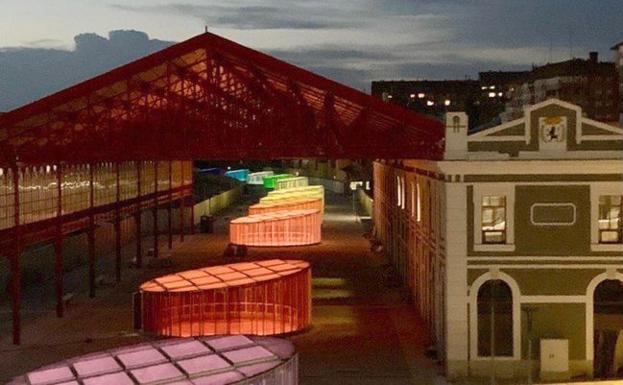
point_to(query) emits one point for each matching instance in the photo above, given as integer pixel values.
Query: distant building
(496, 88)
(588, 83)
(432, 97)
(618, 62)
(483, 99)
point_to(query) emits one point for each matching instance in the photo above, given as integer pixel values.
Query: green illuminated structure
(269, 181)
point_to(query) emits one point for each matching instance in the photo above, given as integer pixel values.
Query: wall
(37, 261)
(366, 203)
(218, 202)
(411, 230)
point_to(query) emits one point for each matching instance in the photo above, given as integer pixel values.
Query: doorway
(608, 329)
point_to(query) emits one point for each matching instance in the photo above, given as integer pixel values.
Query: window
(413, 202)
(610, 219)
(493, 219)
(398, 192)
(403, 193)
(418, 194)
(495, 319)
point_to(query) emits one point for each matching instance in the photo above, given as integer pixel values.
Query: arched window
(608, 338)
(495, 319)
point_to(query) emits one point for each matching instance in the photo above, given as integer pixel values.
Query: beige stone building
(512, 245)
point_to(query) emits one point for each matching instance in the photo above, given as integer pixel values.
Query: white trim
(607, 247)
(553, 299)
(528, 258)
(544, 266)
(590, 308)
(473, 310)
(530, 167)
(483, 135)
(552, 205)
(570, 155)
(580, 137)
(494, 246)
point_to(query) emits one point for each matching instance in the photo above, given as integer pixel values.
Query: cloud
(286, 16)
(352, 41)
(31, 73)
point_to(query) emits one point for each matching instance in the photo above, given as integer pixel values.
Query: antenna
(570, 45)
(206, 28)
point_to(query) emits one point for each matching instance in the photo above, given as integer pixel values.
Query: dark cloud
(330, 56)
(290, 16)
(353, 41)
(582, 24)
(31, 73)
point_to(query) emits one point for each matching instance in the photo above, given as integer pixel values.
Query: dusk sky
(349, 41)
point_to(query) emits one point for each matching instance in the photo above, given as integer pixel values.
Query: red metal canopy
(211, 98)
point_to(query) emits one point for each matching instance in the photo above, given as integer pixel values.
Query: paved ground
(364, 331)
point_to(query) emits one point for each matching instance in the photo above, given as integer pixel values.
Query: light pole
(529, 311)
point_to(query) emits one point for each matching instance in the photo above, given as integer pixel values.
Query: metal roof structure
(211, 98)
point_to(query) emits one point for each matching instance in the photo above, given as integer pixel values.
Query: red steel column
(117, 228)
(170, 206)
(137, 217)
(192, 202)
(155, 210)
(91, 234)
(16, 281)
(192, 214)
(58, 243)
(182, 206)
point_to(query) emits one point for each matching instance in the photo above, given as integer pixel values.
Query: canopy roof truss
(210, 98)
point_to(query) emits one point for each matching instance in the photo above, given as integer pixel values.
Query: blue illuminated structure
(239, 175)
(214, 171)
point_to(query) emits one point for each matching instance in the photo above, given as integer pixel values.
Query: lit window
(447, 102)
(390, 97)
(419, 202)
(493, 215)
(398, 192)
(421, 95)
(483, 87)
(492, 94)
(500, 94)
(491, 87)
(610, 219)
(412, 96)
(430, 103)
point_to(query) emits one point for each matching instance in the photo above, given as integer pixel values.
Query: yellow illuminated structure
(287, 183)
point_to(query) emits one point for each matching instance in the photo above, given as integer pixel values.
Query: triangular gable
(514, 130)
(211, 98)
(592, 130)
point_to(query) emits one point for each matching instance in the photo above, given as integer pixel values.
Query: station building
(512, 244)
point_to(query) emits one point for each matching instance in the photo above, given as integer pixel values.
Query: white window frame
(562, 204)
(598, 189)
(486, 189)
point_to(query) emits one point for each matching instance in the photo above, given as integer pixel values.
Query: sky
(47, 45)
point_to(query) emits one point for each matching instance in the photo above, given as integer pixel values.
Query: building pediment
(552, 129)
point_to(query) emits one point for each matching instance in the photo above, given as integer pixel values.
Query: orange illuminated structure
(279, 228)
(295, 181)
(259, 298)
(291, 204)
